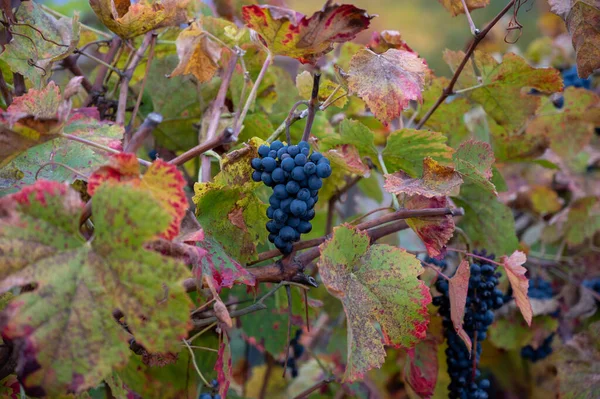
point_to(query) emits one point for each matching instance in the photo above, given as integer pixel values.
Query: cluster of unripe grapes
(295, 176)
(482, 299)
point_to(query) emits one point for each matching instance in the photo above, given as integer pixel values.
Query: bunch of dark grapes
(542, 351)
(214, 394)
(539, 289)
(298, 350)
(295, 176)
(441, 263)
(482, 299)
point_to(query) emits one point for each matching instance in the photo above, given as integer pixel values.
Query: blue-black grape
(541, 352)
(539, 289)
(295, 176)
(482, 299)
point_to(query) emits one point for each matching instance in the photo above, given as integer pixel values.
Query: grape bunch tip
(295, 175)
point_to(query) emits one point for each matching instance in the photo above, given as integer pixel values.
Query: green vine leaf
(287, 32)
(376, 284)
(67, 337)
(474, 160)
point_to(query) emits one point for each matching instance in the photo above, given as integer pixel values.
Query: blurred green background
(425, 24)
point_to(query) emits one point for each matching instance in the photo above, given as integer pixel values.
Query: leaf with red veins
(421, 367)
(223, 366)
(162, 181)
(218, 269)
(518, 282)
(458, 288)
(434, 231)
(387, 82)
(376, 284)
(287, 32)
(64, 332)
(437, 181)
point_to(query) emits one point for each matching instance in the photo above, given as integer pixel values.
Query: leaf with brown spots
(474, 160)
(458, 288)
(162, 182)
(387, 82)
(437, 181)
(456, 7)
(64, 331)
(287, 32)
(583, 22)
(434, 231)
(376, 284)
(513, 265)
(130, 20)
(198, 54)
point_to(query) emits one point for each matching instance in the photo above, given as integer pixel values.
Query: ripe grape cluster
(539, 289)
(296, 177)
(482, 299)
(214, 395)
(542, 351)
(298, 350)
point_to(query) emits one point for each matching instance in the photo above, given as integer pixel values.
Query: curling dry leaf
(60, 38)
(456, 7)
(513, 265)
(130, 20)
(198, 54)
(458, 288)
(387, 39)
(474, 160)
(377, 283)
(583, 22)
(438, 180)
(434, 231)
(287, 32)
(64, 330)
(162, 181)
(387, 82)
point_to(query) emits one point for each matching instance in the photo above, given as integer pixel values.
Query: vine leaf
(570, 129)
(231, 195)
(579, 365)
(345, 161)
(64, 330)
(287, 32)
(456, 6)
(387, 39)
(407, 148)
(583, 22)
(32, 55)
(377, 283)
(304, 83)
(421, 367)
(355, 133)
(511, 333)
(387, 82)
(162, 181)
(583, 220)
(458, 288)
(198, 54)
(519, 283)
(130, 20)
(434, 231)
(500, 91)
(438, 180)
(223, 366)
(474, 160)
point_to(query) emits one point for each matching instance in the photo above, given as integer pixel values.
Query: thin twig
(318, 385)
(99, 61)
(474, 30)
(223, 138)
(72, 170)
(449, 89)
(59, 15)
(98, 85)
(99, 146)
(143, 85)
(312, 106)
(196, 364)
(150, 123)
(126, 78)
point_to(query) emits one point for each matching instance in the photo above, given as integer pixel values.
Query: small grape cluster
(295, 176)
(214, 395)
(539, 289)
(298, 350)
(482, 299)
(542, 351)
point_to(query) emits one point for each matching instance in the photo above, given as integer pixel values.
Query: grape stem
(318, 385)
(312, 106)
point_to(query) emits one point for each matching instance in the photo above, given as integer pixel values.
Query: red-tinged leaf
(198, 54)
(456, 7)
(434, 231)
(474, 160)
(458, 288)
(219, 270)
(421, 367)
(162, 181)
(437, 181)
(387, 39)
(40, 244)
(583, 22)
(287, 32)
(223, 366)
(519, 283)
(376, 284)
(387, 82)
